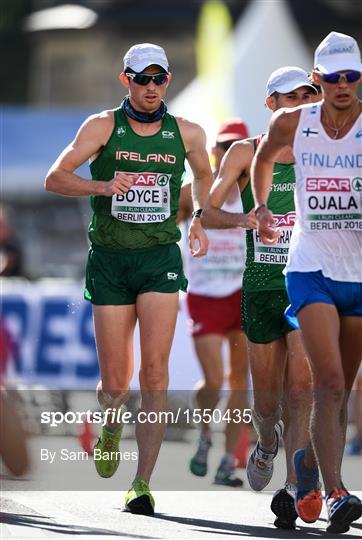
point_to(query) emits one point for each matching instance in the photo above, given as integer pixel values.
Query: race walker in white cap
(213, 300)
(324, 269)
(277, 359)
(286, 79)
(134, 272)
(143, 55)
(337, 52)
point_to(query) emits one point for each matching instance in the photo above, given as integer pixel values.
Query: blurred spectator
(318, 96)
(8, 348)
(10, 254)
(13, 446)
(214, 300)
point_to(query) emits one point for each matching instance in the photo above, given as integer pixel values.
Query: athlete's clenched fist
(120, 184)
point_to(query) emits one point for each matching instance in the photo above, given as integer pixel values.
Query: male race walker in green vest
(279, 366)
(134, 271)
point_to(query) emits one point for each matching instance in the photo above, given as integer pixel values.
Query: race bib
(333, 204)
(148, 201)
(275, 253)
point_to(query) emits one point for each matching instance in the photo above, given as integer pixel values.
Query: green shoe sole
(198, 469)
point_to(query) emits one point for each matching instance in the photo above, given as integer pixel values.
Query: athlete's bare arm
(194, 139)
(282, 127)
(185, 205)
(234, 169)
(89, 141)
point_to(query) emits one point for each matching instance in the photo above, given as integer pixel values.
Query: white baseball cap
(337, 52)
(142, 55)
(287, 79)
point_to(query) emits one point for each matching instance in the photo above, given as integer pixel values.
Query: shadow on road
(235, 529)
(41, 522)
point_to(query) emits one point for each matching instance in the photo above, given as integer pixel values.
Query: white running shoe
(260, 464)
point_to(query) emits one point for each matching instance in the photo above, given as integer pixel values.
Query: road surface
(186, 506)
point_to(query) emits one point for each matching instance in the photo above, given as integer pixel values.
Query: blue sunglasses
(334, 78)
(144, 80)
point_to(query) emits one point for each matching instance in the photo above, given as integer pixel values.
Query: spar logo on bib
(162, 179)
(285, 220)
(357, 183)
(151, 179)
(328, 184)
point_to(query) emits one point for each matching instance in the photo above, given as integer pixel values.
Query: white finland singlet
(220, 272)
(328, 200)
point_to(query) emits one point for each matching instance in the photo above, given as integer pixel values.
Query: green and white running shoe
(106, 454)
(198, 462)
(226, 473)
(139, 499)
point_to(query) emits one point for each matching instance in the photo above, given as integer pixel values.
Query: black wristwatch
(260, 206)
(197, 213)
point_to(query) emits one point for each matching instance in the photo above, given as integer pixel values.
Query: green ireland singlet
(146, 215)
(265, 263)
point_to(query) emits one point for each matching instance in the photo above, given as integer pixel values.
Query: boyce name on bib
(275, 253)
(148, 201)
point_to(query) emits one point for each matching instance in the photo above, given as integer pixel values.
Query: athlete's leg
(342, 507)
(157, 313)
(237, 376)
(350, 341)
(114, 327)
(301, 473)
(320, 326)
(298, 400)
(208, 348)
(354, 447)
(267, 364)
(297, 384)
(225, 474)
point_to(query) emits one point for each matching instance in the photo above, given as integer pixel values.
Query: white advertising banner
(47, 338)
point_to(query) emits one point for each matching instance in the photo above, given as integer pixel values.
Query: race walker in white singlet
(220, 273)
(328, 231)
